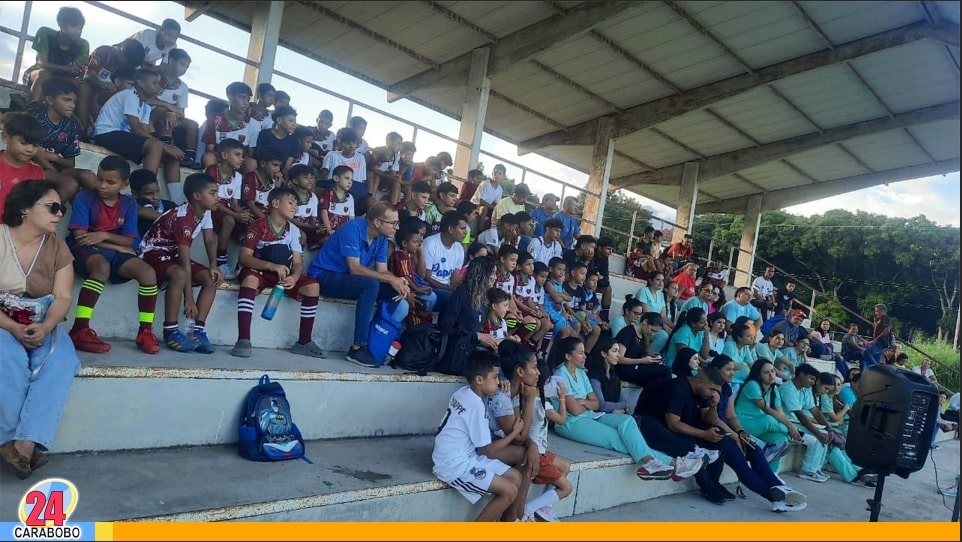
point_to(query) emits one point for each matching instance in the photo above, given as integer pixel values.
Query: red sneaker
(86, 339)
(147, 341)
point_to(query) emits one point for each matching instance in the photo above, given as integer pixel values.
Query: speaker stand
(875, 503)
(955, 510)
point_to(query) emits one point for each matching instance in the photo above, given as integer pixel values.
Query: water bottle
(392, 352)
(189, 327)
(272, 302)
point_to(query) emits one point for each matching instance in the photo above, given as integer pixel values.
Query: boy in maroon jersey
(271, 254)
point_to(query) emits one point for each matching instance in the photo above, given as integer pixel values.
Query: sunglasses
(54, 207)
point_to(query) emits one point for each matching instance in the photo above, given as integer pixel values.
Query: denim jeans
(430, 300)
(31, 410)
(367, 292)
(872, 355)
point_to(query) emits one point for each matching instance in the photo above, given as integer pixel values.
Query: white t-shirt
(175, 96)
(363, 147)
(231, 190)
(539, 421)
(309, 209)
(763, 286)
(148, 38)
(462, 431)
(356, 162)
(113, 115)
(543, 253)
(442, 262)
(490, 238)
(487, 193)
(929, 373)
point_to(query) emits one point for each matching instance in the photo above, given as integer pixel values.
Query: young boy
(556, 300)
(282, 99)
(548, 246)
(260, 109)
(235, 123)
(103, 230)
(228, 212)
(475, 176)
(60, 53)
(347, 140)
(592, 301)
(540, 299)
(60, 146)
(359, 125)
(422, 298)
(384, 163)
(158, 44)
(97, 86)
(528, 300)
(470, 212)
(417, 204)
(505, 281)
(323, 136)
(406, 166)
(463, 443)
(496, 323)
(447, 200)
(22, 135)
(146, 190)
(257, 185)
(123, 127)
(271, 254)
(306, 219)
(304, 137)
(166, 247)
(337, 203)
(575, 307)
(280, 138)
(170, 106)
(489, 194)
(506, 233)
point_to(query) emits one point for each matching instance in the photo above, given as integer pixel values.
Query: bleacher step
(126, 399)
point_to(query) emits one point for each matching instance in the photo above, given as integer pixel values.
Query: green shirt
(745, 407)
(578, 387)
(794, 399)
(742, 356)
(684, 336)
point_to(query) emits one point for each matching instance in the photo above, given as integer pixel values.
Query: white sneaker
(712, 455)
(546, 514)
(686, 467)
(655, 470)
(950, 491)
(782, 506)
(787, 495)
(227, 271)
(812, 476)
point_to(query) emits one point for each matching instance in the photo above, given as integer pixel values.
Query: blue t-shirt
(570, 229)
(538, 218)
(794, 399)
(732, 310)
(91, 214)
(741, 355)
(349, 241)
(684, 336)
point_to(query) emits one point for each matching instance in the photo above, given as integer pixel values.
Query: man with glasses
(352, 264)
(444, 256)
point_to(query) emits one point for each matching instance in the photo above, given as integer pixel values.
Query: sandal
(38, 459)
(16, 462)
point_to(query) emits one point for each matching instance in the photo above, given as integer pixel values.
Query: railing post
(22, 40)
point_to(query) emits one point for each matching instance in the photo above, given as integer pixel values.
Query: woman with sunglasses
(37, 357)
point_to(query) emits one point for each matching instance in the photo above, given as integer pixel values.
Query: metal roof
(794, 100)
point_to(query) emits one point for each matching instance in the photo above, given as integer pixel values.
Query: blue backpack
(383, 331)
(266, 431)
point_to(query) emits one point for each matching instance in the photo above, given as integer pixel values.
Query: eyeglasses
(54, 207)
(637, 314)
(393, 224)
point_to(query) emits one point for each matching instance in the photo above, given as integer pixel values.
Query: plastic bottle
(189, 326)
(272, 302)
(392, 352)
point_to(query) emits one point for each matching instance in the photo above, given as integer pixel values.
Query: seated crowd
(523, 296)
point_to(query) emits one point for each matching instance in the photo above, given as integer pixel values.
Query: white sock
(545, 499)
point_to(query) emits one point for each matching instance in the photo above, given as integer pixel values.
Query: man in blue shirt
(570, 222)
(540, 215)
(353, 265)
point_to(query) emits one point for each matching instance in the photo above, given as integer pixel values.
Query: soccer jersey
(538, 432)
(143, 224)
(227, 188)
(113, 115)
(11, 176)
(90, 213)
(440, 261)
(339, 211)
(307, 209)
(173, 92)
(504, 281)
(103, 62)
(356, 163)
(524, 290)
(324, 144)
(177, 227)
(384, 160)
(62, 138)
(402, 208)
(220, 128)
(578, 295)
(260, 234)
(252, 189)
(542, 252)
(497, 329)
(462, 431)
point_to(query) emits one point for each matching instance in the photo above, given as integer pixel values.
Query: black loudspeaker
(891, 424)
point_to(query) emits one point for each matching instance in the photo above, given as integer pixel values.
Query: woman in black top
(463, 315)
(638, 365)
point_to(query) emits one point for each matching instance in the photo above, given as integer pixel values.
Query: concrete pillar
(473, 110)
(262, 48)
(746, 256)
(598, 174)
(687, 194)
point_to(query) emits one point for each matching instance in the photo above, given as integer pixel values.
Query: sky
(935, 197)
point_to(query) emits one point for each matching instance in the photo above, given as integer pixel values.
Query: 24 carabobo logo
(45, 509)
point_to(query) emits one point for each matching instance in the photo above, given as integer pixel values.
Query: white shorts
(477, 480)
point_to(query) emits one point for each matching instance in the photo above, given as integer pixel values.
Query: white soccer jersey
(462, 431)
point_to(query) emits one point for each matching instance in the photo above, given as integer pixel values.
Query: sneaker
(655, 470)
(774, 452)
(823, 474)
(204, 346)
(242, 348)
(86, 339)
(190, 164)
(546, 514)
(228, 271)
(711, 455)
(361, 356)
(786, 495)
(862, 482)
(866, 476)
(727, 495)
(812, 476)
(176, 340)
(950, 491)
(147, 341)
(687, 467)
(529, 518)
(712, 495)
(782, 506)
(309, 349)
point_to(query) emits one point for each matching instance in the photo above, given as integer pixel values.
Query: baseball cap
(797, 312)
(522, 190)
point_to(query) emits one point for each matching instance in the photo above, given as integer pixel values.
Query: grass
(945, 359)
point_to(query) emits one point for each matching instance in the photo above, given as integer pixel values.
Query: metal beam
(627, 55)
(478, 29)
(372, 35)
(851, 155)
(518, 105)
(779, 199)
(814, 26)
(193, 10)
(575, 85)
(516, 47)
(651, 113)
(633, 160)
(700, 28)
(730, 162)
(778, 94)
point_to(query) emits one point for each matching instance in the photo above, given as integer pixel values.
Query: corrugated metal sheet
(886, 150)
(832, 96)
(940, 138)
(774, 176)
(847, 21)
(764, 116)
(905, 82)
(502, 18)
(728, 186)
(826, 163)
(654, 150)
(704, 133)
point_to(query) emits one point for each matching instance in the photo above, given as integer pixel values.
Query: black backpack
(421, 349)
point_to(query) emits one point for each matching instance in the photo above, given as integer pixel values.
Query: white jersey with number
(462, 431)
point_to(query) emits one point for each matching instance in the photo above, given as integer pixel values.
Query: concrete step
(373, 479)
(126, 399)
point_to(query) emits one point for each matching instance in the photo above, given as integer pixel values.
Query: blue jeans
(872, 355)
(31, 410)
(430, 300)
(367, 292)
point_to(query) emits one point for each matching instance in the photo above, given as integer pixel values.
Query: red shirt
(467, 191)
(686, 285)
(10, 175)
(177, 227)
(679, 250)
(253, 190)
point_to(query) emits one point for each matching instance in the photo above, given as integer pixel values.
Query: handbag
(838, 439)
(25, 310)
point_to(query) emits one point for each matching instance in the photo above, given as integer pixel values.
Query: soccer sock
(89, 294)
(308, 312)
(545, 499)
(169, 328)
(200, 326)
(245, 312)
(147, 305)
(546, 341)
(221, 257)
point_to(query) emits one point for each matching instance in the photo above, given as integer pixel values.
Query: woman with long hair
(716, 334)
(640, 364)
(771, 348)
(758, 407)
(653, 300)
(604, 380)
(463, 316)
(739, 348)
(691, 332)
(631, 312)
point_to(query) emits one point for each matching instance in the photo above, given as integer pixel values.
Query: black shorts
(126, 144)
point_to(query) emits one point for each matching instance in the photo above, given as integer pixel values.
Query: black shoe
(190, 164)
(713, 496)
(727, 495)
(362, 356)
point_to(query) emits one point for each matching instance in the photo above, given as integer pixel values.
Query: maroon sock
(86, 301)
(308, 311)
(245, 312)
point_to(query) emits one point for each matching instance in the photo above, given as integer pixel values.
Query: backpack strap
(264, 380)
